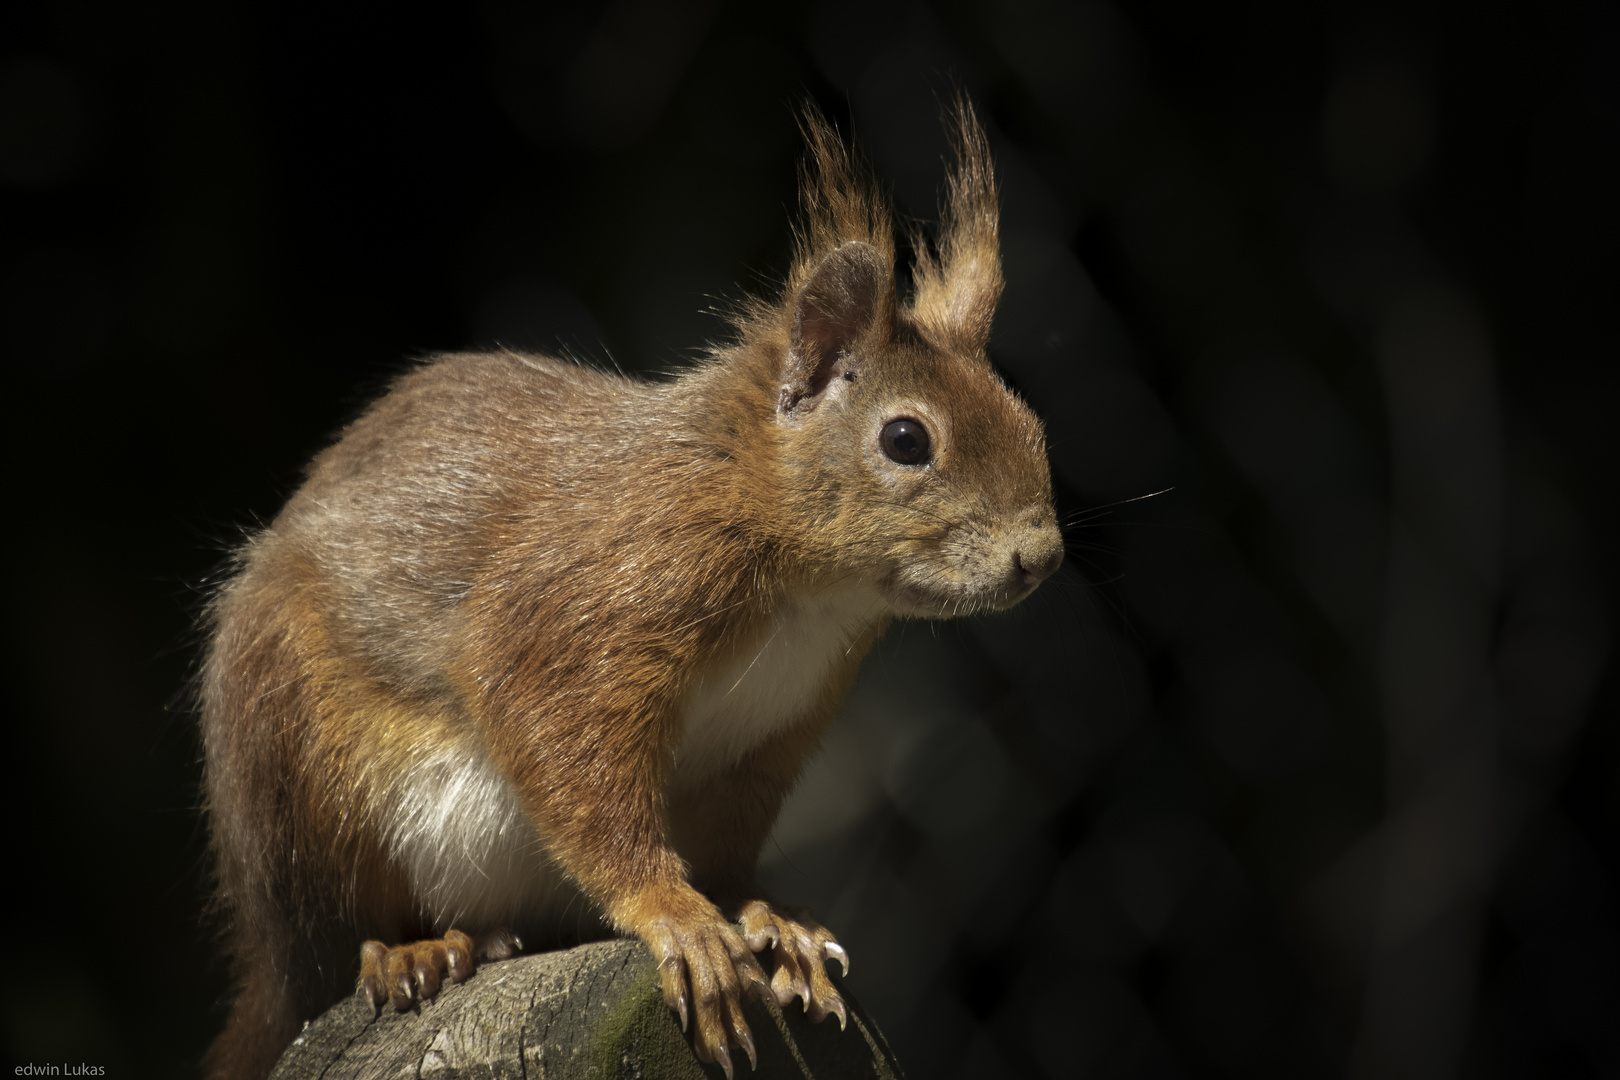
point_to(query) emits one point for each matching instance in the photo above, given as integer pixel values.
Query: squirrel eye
(906, 442)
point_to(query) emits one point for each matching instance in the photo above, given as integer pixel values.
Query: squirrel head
(903, 458)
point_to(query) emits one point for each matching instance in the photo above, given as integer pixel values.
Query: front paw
(801, 948)
(404, 974)
(705, 969)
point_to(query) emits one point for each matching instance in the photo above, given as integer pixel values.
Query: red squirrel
(535, 638)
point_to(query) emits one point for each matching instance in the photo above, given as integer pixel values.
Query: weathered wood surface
(595, 1011)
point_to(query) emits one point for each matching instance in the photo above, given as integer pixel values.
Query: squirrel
(534, 638)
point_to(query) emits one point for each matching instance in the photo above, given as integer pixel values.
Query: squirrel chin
(911, 602)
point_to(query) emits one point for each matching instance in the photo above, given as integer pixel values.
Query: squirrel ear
(850, 292)
(957, 289)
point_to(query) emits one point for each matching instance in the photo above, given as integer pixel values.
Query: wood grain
(594, 1011)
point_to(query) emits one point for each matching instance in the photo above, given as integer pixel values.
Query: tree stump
(594, 1011)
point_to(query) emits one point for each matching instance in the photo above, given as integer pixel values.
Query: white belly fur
(454, 822)
(733, 708)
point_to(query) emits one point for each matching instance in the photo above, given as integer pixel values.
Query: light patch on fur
(454, 822)
(735, 707)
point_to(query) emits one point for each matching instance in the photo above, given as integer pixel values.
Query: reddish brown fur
(538, 565)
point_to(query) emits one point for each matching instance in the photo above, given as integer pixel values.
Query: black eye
(906, 442)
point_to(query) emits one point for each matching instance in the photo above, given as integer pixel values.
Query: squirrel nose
(1037, 560)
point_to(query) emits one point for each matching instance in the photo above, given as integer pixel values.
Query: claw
(757, 985)
(402, 992)
(836, 1007)
(746, 1039)
(675, 987)
(786, 984)
(427, 980)
(723, 1056)
(740, 1033)
(460, 963)
(373, 989)
(836, 952)
(499, 945)
(766, 935)
(801, 987)
(671, 973)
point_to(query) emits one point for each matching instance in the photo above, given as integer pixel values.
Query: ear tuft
(958, 287)
(841, 201)
(850, 292)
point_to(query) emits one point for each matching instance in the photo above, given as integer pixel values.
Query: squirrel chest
(771, 681)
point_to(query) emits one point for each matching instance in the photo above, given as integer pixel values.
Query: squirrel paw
(408, 973)
(801, 948)
(706, 969)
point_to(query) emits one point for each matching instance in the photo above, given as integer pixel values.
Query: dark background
(1298, 770)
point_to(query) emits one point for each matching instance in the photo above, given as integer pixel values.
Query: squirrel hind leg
(406, 974)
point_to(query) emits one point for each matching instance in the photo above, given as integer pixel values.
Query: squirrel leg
(719, 828)
(612, 839)
(405, 974)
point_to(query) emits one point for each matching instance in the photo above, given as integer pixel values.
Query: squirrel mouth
(919, 601)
